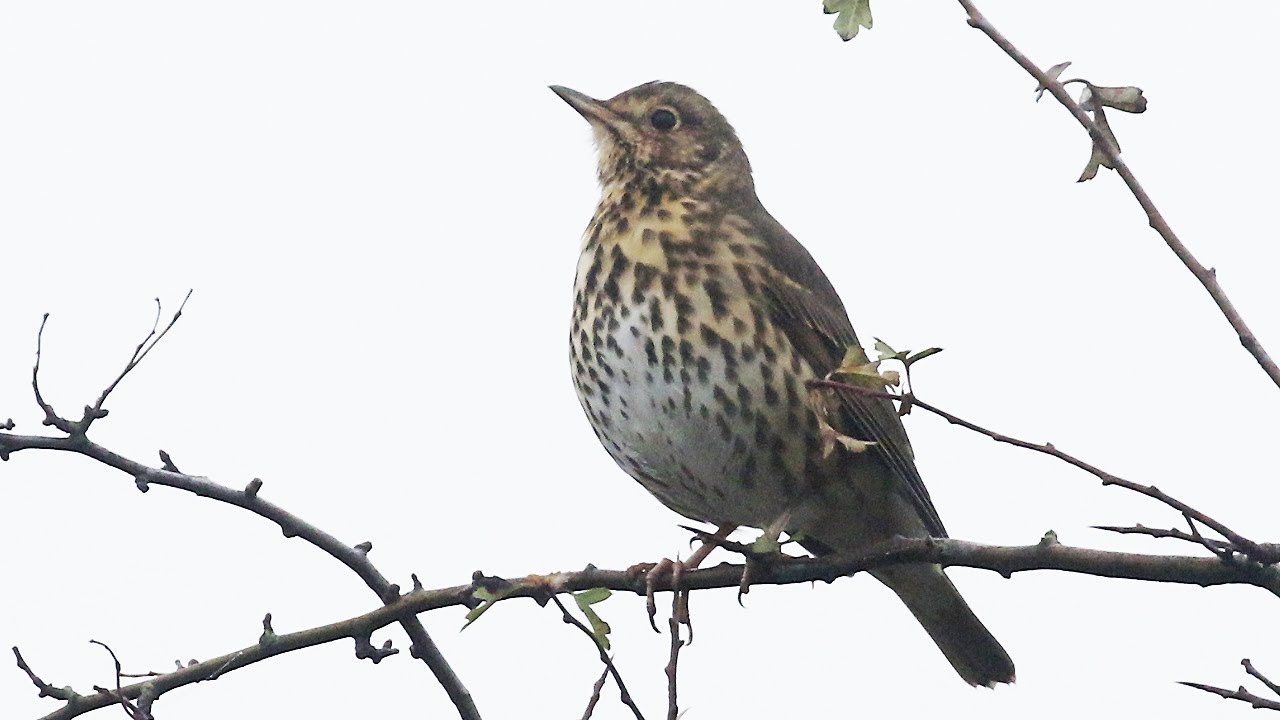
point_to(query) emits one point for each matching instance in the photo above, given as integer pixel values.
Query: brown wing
(811, 314)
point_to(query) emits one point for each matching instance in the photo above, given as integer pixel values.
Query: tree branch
(1048, 554)
(1264, 553)
(1206, 276)
(355, 558)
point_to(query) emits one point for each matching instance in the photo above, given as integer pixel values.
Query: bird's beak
(596, 112)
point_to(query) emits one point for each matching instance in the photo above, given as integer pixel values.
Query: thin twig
(1206, 276)
(623, 693)
(596, 689)
(46, 690)
(50, 416)
(143, 349)
(1214, 546)
(1256, 702)
(673, 627)
(130, 709)
(1262, 553)
(1249, 668)
(422, 647)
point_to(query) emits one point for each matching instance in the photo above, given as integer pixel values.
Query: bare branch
(1047, 554)
(139, 353)
(673, 627)
(596, 689)
(356, 558)
(67, 695)
(1258, 703)
(1206, 276)
(135, 712)
(1214, 546)
(624, 694)
(1249, 668)
(1266, 554)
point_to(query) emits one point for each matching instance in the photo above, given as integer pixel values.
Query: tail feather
(967, 644)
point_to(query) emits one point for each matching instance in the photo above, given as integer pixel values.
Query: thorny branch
(1206, 276)
(1262, 553)
(355, 558)
(1253, 569)
(673, 629)
(1048, 554)
(1255, 701)
(604, 658)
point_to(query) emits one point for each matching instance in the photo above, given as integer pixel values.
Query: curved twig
(355, 558)
(1265, 553)
(1206, 276)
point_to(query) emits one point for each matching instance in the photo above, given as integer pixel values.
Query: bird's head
(666, 131)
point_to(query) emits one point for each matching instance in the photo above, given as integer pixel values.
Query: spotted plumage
(697, 319)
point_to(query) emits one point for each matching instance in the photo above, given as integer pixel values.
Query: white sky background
(379, 208)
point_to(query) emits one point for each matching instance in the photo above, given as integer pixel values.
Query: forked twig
(1206, 276)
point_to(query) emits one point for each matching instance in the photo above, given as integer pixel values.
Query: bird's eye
(663, 119)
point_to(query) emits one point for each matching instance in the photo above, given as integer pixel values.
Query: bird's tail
(967, 644)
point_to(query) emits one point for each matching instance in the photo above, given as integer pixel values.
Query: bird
(697, 320)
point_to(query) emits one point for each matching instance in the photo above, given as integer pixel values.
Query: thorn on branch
(366, 651)
(268, 635)
(1240, 693)
(492, 583)
(364, 547)
(251, 490)
(167, 463)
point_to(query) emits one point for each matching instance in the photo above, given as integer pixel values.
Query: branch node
(167, 462)
(391, 594)
(268, 635)
(365, 649)
(251, 490)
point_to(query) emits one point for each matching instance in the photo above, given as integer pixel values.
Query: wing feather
(808, 309)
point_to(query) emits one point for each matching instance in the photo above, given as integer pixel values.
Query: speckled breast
(686, 381)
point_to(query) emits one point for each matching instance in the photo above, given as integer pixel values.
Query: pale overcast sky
(379, 207)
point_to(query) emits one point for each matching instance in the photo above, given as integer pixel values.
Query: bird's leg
(680, 606)
(766, 543)
(676, 568)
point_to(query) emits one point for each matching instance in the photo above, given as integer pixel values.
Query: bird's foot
(674, 570)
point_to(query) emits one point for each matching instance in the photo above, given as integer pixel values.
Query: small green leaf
(854, 15)
(599, 628)
(885, 352)
(487, 600)
(592, 596)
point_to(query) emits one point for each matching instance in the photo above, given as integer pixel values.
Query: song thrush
(697, 319)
